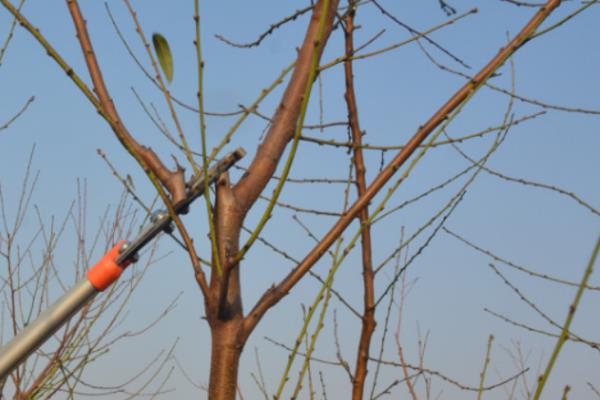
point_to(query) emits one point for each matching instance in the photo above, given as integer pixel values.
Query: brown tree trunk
(225, 358)
(224, 310)
(224, 304)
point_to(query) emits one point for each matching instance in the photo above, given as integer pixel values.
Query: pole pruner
(104, 273)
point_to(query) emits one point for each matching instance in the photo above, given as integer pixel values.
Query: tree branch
(173, 181)
(368, 316)
(283, 126)
(277, 292)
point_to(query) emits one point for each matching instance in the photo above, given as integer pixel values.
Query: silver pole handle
(48, 322)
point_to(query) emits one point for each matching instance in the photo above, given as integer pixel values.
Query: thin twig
(564, 336)
(269, 31)
(18, 114)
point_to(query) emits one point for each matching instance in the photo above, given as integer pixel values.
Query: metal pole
(48, 322)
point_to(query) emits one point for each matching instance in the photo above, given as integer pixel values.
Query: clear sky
(397, 91)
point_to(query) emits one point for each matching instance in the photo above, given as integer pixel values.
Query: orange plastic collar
(106, 271)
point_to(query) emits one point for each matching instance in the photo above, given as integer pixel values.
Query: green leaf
(161, 47)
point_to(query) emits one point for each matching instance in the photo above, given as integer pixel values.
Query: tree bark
(225, 358)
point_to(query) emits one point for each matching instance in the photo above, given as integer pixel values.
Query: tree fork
(224, 304)
(224, 301)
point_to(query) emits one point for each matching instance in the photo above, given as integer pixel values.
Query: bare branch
(269, 31)
(276, 293)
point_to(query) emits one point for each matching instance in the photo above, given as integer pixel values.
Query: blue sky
(397, 92)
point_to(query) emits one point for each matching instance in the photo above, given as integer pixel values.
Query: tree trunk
(224, 361)
(224, 306)
(224, 310)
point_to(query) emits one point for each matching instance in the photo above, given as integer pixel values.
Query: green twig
(486, 364)
(564, 335)
(202, 121)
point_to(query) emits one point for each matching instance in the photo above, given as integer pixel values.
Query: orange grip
(106, 271)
